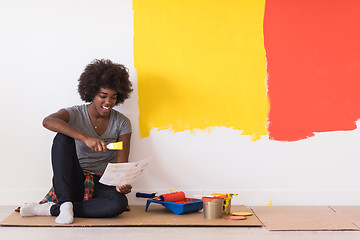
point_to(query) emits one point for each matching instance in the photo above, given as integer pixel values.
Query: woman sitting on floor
(79, 154)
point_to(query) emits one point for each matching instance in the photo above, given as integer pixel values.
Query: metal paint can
(213, 207)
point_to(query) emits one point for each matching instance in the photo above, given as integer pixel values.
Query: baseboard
(244, 197)
(276, 197)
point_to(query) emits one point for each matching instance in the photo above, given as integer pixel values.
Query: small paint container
(227, 205)
(227, 201)
(213, 207)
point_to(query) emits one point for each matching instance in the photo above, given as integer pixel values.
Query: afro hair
(104, 74)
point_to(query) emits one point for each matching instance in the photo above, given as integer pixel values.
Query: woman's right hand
(95, 144)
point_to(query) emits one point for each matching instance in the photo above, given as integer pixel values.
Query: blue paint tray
(186, 206)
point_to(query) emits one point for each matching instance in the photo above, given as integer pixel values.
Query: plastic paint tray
(186, 206)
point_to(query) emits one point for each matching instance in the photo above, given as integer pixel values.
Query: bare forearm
(123, 155)
(59, 125)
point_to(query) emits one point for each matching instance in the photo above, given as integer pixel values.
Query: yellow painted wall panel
(201, 64)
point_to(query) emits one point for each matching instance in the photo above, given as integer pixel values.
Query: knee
(63, 141)
(63, 149)
(118, 205)
(61, 138)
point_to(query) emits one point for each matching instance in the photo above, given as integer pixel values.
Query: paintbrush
(115, 146)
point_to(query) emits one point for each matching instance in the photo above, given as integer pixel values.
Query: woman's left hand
(125, 189)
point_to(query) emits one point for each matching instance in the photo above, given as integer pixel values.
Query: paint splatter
(201, 64)
(313, 55)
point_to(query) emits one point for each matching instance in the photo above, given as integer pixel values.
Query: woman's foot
(36, 209)
(66, 215)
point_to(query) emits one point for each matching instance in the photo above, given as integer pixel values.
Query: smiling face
(104, 101)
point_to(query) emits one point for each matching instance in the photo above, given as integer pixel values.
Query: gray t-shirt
(96, 162)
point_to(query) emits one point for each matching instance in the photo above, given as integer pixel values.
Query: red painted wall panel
(313, 55)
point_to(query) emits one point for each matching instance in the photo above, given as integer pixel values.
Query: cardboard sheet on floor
(155, 216)
(306, 218)
(352, 213)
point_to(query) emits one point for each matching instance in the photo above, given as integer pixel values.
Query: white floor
(158, 233)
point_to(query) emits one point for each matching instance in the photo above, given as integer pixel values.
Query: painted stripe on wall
(201, 64)
(313, 55)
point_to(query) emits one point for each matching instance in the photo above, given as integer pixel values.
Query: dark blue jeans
(68, 182)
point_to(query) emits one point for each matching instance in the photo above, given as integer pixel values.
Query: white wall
(44, 47)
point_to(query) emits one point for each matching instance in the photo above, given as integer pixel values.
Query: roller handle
(145, 195)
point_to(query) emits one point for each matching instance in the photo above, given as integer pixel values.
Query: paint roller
(173, 197)
(168, 197)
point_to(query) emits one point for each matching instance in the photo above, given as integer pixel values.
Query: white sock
(66, 215)
(36, 209)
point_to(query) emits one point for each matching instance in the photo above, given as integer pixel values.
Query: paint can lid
(211, 198)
